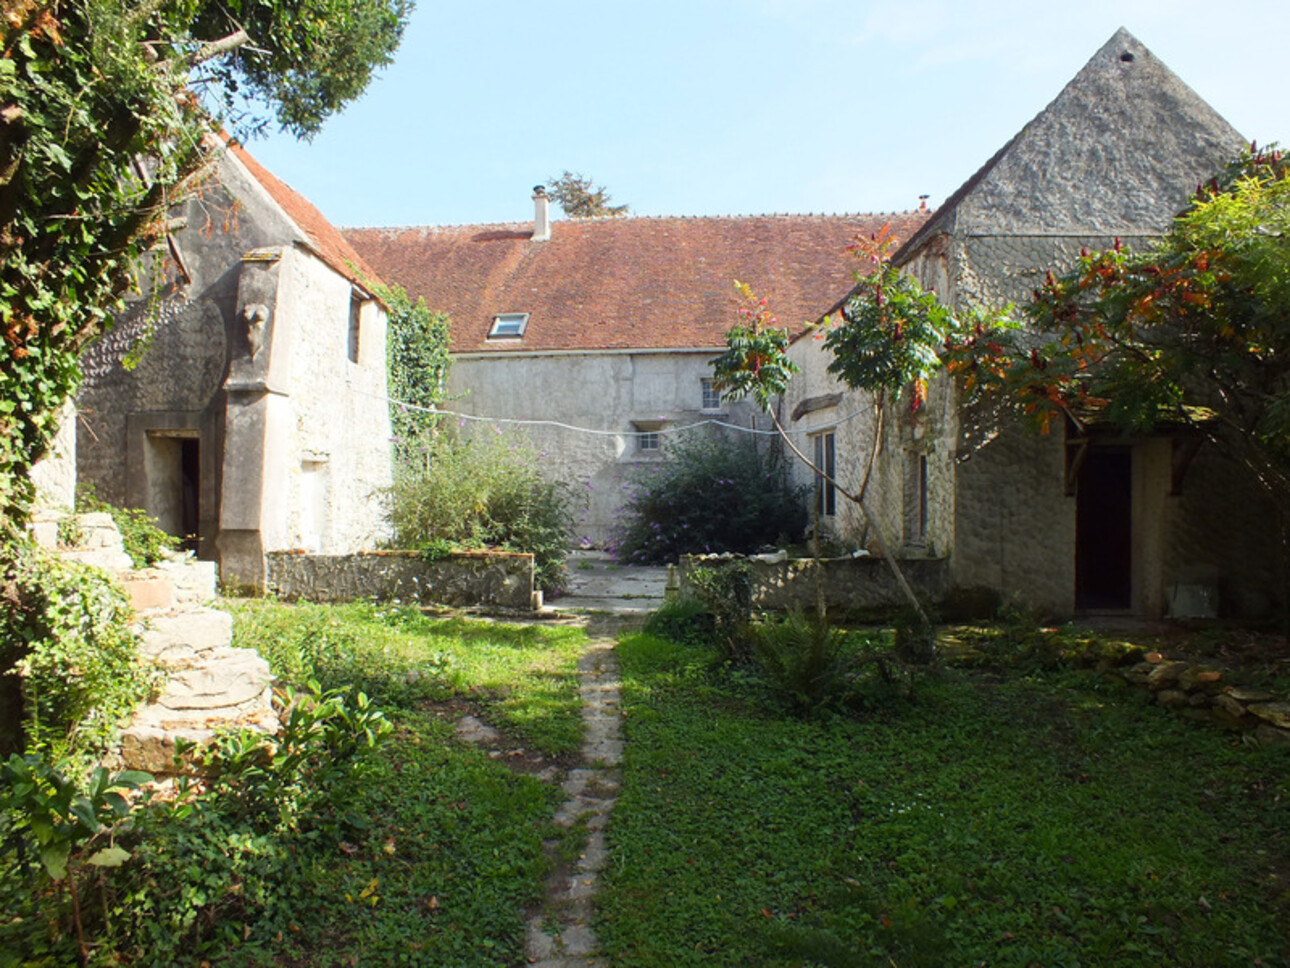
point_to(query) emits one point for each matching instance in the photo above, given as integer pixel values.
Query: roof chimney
(541, 214)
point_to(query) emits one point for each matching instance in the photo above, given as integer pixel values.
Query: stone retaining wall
(491, 579)
(851, 585)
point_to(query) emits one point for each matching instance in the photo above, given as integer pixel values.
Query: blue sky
(712, 107)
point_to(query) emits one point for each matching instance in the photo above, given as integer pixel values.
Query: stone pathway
(560, 935)
(559, 932)
(598, 584)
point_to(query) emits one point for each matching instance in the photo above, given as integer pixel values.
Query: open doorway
(1104, 530)
(173, 469)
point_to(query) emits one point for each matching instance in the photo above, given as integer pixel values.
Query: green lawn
(1012, 814)
(1050, 818)
(454, 846)
(423, 852)
(522, 676)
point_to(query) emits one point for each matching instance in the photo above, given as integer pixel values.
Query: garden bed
(498, 580)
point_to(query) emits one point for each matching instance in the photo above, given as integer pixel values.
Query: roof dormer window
(508, 326)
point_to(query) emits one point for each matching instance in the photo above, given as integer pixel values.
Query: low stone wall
(491, 579)
(1197, 692)
(851, 585)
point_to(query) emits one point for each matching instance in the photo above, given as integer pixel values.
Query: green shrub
(686, 622)
(209, 870)
(726, 592)
(710, 494)
(485, 491)
(805, 662)
(65, 634)
(144, 541)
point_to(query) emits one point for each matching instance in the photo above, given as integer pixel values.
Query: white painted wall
(339, 421)
(603, 392)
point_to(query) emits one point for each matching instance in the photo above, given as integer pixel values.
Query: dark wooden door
(1104, 530)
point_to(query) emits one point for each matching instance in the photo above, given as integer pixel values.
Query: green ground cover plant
(69, 669)
(1043, 816)
(141, 535)
(523, 676)
(366, 835)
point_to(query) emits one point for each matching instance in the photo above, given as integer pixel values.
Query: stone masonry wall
(851, 585)
(499, 580)
(1015, 525)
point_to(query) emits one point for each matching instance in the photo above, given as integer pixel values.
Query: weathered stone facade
(632, 391)
(1116, 155)
(246, 406)
(54, 475)
(612, 324)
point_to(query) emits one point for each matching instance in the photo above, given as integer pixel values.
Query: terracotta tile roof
(325, 239)
(622, 283)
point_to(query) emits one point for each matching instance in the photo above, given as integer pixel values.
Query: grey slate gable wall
(1125, 124)
(1116, 153)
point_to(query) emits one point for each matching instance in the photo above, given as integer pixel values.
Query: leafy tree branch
(87, 89)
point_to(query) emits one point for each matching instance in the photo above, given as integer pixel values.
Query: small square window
(648, 435)
(508, 326)
(711, 396)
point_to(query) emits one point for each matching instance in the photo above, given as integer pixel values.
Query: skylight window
(508, 325)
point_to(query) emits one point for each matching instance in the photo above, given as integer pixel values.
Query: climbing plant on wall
(418, 361)
(104, 110)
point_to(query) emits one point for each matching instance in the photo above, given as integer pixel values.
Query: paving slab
(599, 584)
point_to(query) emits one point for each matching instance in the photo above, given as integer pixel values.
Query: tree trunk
(922, 648)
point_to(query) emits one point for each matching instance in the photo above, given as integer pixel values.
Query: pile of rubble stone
(1198, 692)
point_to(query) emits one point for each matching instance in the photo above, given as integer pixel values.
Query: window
(355, 324)
(917, 511)
(711, 397)
(508, 326)
(649, 436)
(825, 460)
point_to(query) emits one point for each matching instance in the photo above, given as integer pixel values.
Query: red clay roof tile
(623, 283)
(328, 241)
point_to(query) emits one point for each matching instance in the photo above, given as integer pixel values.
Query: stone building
(608, 325)
(1083, 521)
(243, 402)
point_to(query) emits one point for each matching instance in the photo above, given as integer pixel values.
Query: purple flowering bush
(709, 494)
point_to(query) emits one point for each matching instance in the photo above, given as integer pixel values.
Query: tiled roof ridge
(327, 241)
(527, 223)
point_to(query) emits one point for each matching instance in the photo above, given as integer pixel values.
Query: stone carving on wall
(256, 317)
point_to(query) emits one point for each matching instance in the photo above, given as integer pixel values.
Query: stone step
(227, 678)
(194, 580)
(230, 689)
(149, 591)
(178, 639)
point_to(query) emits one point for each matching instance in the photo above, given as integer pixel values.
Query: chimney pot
(541, 214)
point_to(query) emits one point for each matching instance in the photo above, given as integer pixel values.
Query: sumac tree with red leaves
(1194, 332)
